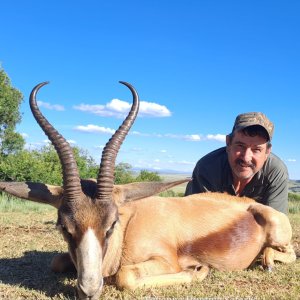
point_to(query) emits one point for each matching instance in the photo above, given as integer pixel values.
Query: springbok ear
(138, 190)
(34, 191)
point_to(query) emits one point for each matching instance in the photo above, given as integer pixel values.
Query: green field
(29, 241)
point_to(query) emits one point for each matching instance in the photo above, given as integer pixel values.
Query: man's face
(246, 154)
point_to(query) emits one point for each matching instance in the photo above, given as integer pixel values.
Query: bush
(123, 173)
(42, 166)
(294, 197)
(148, 176)
(294, 203)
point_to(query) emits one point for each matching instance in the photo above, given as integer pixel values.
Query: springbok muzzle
(89, 292)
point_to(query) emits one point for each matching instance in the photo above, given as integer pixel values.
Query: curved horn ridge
(105, 179)
(71, 179)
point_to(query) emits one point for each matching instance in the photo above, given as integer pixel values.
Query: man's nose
(247, 155)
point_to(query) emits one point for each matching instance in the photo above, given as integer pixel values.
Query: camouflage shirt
(269, 186)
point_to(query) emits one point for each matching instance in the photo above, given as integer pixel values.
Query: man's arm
(276, 195)
(195, 186)
(198, 184)
(208, 174)
(276, 192)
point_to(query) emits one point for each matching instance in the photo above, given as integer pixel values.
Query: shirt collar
(257, 179)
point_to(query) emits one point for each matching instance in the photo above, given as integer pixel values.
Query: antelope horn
(71, 179)
(106, 176)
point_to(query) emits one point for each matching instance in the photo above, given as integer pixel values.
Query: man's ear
(268, 150)
(228, 140)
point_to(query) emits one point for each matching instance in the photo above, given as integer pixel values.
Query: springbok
(140, 240)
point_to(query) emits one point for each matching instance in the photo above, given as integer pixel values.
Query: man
(246, 166)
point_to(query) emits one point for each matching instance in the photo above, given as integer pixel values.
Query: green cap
(253, 118)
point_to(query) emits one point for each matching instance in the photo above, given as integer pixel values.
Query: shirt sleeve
(208, 174)
(276, 194)
(198, 184)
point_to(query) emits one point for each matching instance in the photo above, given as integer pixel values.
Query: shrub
(294, 203)
(42, 166)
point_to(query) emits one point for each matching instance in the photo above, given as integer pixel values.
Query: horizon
(196, 65)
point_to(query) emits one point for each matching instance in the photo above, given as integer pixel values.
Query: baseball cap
(253, 118)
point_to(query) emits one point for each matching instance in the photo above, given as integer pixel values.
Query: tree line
(42, 165)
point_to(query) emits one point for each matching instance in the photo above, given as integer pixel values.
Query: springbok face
(86, 228)
(87, 221)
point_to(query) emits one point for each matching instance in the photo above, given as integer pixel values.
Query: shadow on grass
(32, 271)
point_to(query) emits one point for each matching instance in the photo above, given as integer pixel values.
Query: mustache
(244, 164)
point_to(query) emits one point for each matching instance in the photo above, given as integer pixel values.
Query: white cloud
(217, 137)
(47, 105)
(198, 137)
(161, 164)
(291, 160)
(136, 149)
(71, 142)
(153, 110)
(139, 133)
(182, 163)
(185, 162)
(24, 135)
(186, 137)
(94, 129)
(118, 106)
(100, 147)
(119, 109)
(193, 137)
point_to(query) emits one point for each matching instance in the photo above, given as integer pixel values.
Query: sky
(195, 64)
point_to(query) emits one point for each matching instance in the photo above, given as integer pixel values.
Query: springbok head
(87, 221)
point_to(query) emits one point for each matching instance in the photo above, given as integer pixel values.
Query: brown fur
(170, 235)
(227, 244)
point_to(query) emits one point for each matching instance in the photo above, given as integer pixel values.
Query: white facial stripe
(89, 262)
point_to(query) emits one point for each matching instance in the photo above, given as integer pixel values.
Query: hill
(294, 185)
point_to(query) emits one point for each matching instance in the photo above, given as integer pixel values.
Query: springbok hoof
(269, 269)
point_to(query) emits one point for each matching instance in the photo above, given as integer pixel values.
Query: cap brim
(241, 127)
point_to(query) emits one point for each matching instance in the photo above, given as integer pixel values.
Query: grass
(294, 203)
(12, 204)
(29, 241)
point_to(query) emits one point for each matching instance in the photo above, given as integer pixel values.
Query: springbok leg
(287, 255)
(62, 263)
(140, 276)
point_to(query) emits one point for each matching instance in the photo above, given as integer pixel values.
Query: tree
(148, 176)
(43, 165)
(10, 100)
(123, 173)
(87, 166)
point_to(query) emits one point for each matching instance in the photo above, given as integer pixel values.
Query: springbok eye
(110, 230)
(64, 231)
